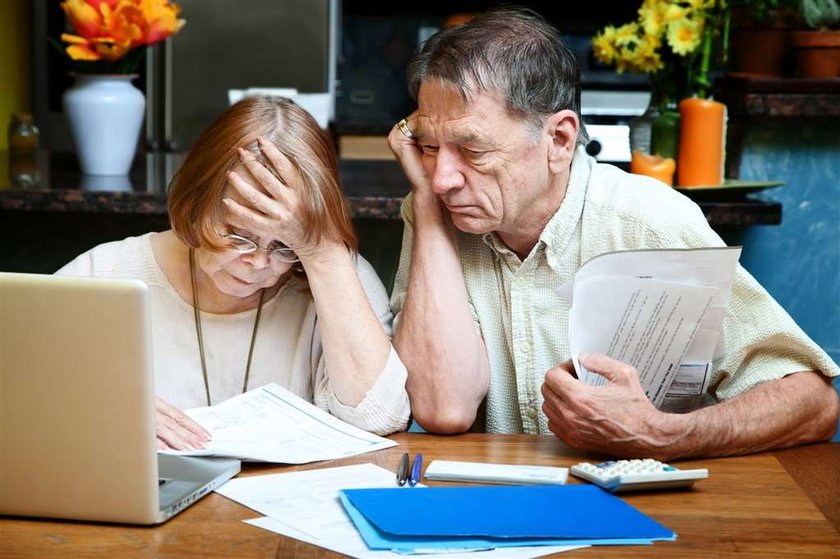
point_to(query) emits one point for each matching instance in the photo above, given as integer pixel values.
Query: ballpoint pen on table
(402, 469)
(415, 470)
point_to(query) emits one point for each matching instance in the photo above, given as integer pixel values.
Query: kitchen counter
(375, 190)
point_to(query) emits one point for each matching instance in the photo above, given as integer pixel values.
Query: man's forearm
(436, 337)
(797, 409)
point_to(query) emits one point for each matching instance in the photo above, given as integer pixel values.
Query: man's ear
(563, 128)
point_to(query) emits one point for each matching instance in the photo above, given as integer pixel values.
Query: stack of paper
(660, 311)
(306, 506)
(464, 518)
(270, 424)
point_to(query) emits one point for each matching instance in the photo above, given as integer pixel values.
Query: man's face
(488, 168)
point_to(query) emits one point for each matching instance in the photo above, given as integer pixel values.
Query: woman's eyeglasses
(276, 249)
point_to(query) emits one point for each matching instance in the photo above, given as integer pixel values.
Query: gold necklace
(197, 315)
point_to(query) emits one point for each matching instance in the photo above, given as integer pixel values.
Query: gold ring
(405, 129)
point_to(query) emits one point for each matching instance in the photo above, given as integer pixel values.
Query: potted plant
(760, 36)
(817, 49)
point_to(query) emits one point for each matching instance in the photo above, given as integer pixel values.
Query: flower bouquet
(104, 109)
(673, 41)
(677, 43)
(111, 36)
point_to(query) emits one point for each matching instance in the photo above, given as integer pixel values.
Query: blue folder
(497, 516)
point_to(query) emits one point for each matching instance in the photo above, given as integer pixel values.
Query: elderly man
(506, 206)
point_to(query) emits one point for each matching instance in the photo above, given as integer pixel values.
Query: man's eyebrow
(466, 137)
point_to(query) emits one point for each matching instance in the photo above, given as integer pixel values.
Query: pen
(402, 469)
(415, 470)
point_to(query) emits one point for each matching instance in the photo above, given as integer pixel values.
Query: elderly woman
(259, 279)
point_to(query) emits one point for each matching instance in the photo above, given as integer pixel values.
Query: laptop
(77, 406)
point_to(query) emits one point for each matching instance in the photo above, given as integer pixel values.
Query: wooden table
(775, 504)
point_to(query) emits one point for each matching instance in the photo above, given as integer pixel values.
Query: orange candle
(702, 142)
(655, 166)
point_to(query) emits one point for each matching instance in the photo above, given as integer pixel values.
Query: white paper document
(483, 472)
(270, 424)
(306, 506)
(659, 310)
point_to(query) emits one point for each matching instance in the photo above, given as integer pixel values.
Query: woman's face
(241, 275)
(236, 274)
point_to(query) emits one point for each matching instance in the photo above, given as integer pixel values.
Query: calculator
(636, 475)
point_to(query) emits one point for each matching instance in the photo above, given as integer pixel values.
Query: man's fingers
(609, 368)
(408, 152)
(562, 377)
(557, 388)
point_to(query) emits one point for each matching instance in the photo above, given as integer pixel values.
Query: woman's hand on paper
(176, 430)
(616, 419)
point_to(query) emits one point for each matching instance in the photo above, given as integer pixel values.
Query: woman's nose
(258, 259)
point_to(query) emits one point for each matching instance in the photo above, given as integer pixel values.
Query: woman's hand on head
(176, 430)
(268, 206)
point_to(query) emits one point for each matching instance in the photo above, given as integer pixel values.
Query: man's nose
(447, 174)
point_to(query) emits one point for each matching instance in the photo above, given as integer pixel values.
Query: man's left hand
(616, 419)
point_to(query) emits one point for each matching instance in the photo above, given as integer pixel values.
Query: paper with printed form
(270, 424)
(659, 310)
(306, 506)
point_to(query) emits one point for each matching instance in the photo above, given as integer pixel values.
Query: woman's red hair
(196, 191)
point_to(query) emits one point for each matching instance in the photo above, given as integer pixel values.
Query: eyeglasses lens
(247, 246)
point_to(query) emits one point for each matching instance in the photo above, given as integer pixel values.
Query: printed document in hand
(659, 310)
(270, 424)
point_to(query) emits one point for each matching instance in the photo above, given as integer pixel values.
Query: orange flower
(108, 29)
(83, 17)
(161, 18)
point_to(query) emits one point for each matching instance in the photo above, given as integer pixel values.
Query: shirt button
(532, 413)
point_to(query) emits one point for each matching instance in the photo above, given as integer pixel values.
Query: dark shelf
(762, 96)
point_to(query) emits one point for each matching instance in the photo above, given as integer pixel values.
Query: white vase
(105, 113)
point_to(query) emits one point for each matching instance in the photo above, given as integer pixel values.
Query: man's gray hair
(514, 52)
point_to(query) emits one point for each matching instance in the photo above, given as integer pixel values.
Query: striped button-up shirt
(524, 322)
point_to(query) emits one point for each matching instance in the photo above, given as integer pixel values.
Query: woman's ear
(563, 128)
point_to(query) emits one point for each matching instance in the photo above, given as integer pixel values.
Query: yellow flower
(652, 16)
(675, 13)
(647, 54)
(666, 41)
(627, 34)
(603, 45)
(685, 36)
(699, 5)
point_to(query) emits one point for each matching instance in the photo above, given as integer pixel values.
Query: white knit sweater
(287, 350)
